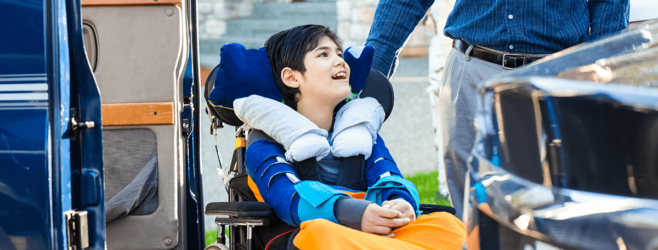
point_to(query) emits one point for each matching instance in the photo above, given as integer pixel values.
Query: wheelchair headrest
(224, 114)
(242, 73)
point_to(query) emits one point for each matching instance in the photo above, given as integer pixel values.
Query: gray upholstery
(152, 231)
(141, 42)
(131, 172)
(140, 197)
(126, 151)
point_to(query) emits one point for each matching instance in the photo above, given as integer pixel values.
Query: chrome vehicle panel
(570, 160)
(540, 138)
(565, 217)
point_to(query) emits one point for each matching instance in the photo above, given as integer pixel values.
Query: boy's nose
(340, 62)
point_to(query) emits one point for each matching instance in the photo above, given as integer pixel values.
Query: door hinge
(187, 101)
(77, 229)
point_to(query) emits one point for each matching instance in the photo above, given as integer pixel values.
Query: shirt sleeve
(607, 17)
(349, 211)
(392, 24)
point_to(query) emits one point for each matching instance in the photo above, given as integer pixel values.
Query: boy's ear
(288, 77)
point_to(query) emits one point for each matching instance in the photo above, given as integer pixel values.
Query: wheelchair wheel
(216, 246)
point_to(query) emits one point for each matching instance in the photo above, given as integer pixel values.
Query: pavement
(408, 132)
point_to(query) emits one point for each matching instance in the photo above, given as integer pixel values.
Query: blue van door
(51, 168)
(85, 134)
(26, 197)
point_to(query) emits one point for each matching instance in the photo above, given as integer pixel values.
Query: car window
(642, 10)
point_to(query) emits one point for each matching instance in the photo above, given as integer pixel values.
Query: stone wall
(214, 13)
(355, 19)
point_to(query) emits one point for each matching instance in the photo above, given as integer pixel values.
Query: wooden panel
(129, 2)
(154, 113)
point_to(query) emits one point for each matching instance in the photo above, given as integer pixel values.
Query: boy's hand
(381, 221)
(403, 207)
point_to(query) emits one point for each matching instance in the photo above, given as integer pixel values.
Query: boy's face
(327, 75)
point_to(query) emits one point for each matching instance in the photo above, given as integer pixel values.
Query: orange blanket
(434, 231)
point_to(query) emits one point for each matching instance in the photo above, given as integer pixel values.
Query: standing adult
(490, 36)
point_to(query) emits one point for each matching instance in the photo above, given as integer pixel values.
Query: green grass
(427, 184)
(211, 236)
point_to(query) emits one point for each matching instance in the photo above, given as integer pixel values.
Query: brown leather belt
(507, 60)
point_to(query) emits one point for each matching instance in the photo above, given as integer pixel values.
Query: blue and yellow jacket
(297, 198)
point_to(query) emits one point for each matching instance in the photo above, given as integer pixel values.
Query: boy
(319, 194)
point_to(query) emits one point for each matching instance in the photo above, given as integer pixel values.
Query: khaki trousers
(457, 105)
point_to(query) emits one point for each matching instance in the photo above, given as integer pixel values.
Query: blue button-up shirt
(535, 26)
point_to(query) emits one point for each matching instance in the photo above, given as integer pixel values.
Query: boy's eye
(323, 55)
(340, 55)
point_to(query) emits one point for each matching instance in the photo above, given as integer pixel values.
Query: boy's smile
(340, 75)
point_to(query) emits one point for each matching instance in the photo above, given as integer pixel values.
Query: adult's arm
(393, 23)
(607, 17)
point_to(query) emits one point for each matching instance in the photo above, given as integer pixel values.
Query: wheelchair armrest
(431, 208)
(239, 209)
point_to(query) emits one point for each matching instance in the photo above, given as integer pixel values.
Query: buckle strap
(513, 60)
(506, 60)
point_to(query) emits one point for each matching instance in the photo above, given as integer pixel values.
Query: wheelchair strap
(316, 201)
(220, 167)
(394, 185)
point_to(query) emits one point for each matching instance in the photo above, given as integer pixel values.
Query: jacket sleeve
(267, 167)
(293, 200)
(384, 179)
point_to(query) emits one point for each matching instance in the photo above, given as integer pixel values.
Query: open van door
(143, 57)
(97, 123)
(84, 130)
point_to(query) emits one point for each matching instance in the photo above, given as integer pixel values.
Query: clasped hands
(383, 220)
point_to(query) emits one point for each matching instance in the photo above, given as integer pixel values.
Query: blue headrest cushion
(243, 72)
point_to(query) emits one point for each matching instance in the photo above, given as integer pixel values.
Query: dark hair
(288, 48)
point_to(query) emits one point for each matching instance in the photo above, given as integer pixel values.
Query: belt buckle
(505, 60)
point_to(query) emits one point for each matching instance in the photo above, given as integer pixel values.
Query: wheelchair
(252, 224)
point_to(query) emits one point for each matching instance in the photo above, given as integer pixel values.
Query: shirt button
(510, 17)
(511, 47)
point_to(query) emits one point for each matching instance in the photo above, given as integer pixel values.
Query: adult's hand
(403, 206)
(381, 221)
